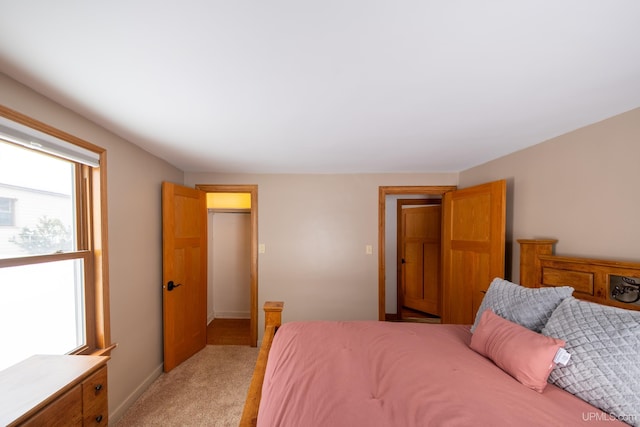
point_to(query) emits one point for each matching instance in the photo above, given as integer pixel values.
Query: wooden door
(420, 258)
(184, 272)
(473, 239)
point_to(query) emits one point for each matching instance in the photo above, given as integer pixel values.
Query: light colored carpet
(209, 389)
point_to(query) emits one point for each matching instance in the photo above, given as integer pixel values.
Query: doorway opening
(234, 327)
(418, 250)
(387, 241)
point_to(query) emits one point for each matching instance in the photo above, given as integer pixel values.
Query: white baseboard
(232, 315)
(119, 412)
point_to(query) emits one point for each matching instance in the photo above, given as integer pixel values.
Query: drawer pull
(99, 418)
(98, 387)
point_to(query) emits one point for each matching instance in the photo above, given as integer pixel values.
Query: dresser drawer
(94, 399)
(65, 411)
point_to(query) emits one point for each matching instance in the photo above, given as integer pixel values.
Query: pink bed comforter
(401, 374)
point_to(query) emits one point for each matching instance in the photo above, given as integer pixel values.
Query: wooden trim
(43, 127)
(101, 254)
(391, 317)
(253, 190)
(418, 189)
(418, 202)
(383, 192)
(37, 259)
(273, 319)
(105, 351)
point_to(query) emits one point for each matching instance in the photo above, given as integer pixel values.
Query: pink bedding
(401, 374)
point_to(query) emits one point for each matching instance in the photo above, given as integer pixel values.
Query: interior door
(473, 239)
(184, 272)
(420, 258)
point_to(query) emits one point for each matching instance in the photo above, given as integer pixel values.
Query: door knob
(171, 286)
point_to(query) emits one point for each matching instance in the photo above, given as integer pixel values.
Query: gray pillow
(604, 343)
(528, 307)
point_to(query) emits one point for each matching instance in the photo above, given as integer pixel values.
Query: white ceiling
(329, 86)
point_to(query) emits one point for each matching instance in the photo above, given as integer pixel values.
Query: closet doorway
(233, 260)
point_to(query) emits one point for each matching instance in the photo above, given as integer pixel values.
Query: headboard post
(530, 250)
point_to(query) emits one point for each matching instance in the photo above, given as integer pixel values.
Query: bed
(511, 367)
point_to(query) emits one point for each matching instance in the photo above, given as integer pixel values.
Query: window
(6, 211)
(52, 256)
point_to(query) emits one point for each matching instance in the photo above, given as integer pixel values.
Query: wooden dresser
(55, 391)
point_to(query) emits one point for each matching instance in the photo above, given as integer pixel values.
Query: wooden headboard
(606, 282)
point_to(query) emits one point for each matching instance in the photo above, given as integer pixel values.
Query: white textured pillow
(604, 343)
(528, 307)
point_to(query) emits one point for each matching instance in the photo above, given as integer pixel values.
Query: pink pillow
(525, 355)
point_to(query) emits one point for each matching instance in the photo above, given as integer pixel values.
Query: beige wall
(582, 188)
(135, 263)
(315, 229)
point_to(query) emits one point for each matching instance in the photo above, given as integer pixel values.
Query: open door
(184, 272)
(473, 243)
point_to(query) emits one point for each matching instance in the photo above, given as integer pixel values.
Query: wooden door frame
(400, 203)
(253, 190)
(383, 192)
